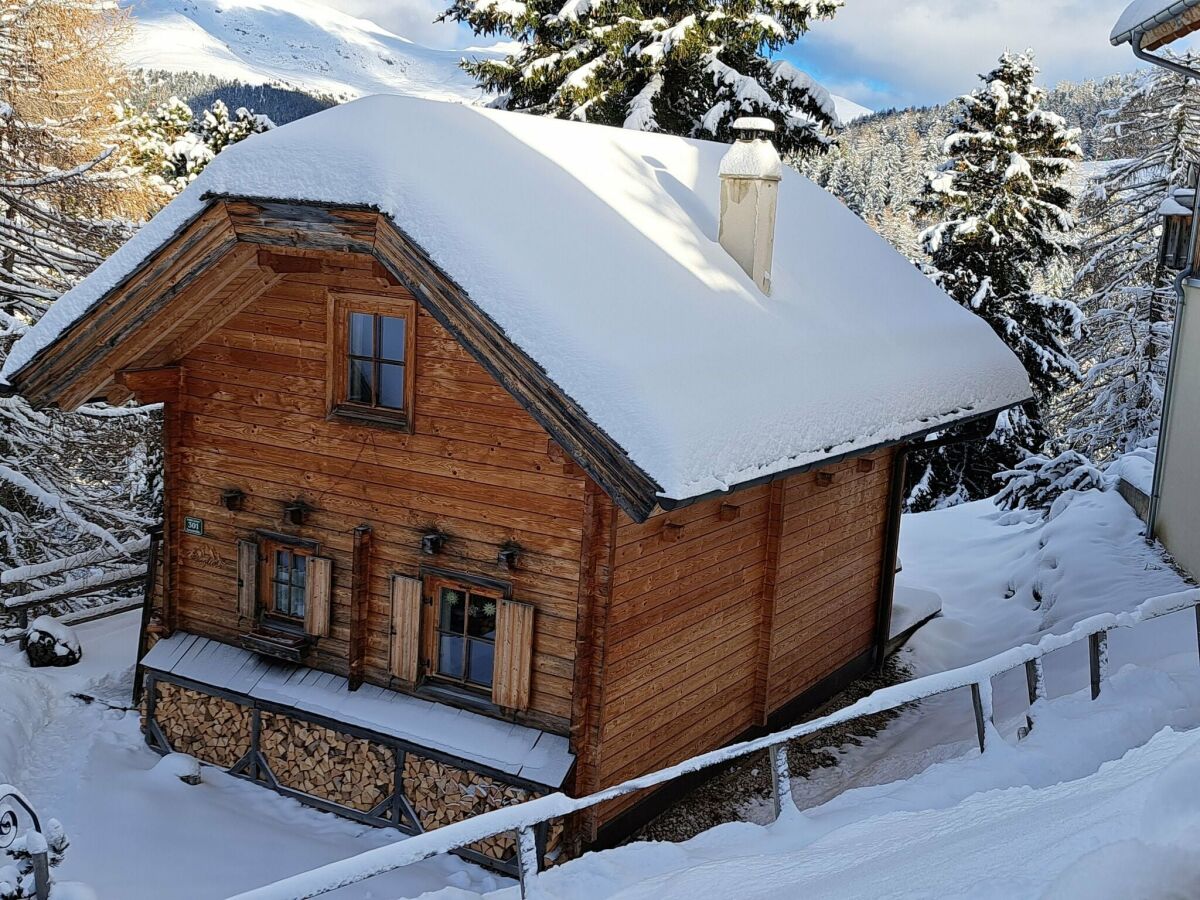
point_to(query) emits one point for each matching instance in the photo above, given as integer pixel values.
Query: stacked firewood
(328, 764)
(208, 728)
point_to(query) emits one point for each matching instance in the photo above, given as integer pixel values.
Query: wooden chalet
(492, 470)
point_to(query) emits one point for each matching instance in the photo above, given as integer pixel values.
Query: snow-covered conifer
(1126, 281)
(681, 68)
(65, 202)
(1002, 215)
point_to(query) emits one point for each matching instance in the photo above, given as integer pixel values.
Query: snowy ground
(87, 766)
(1072, 811)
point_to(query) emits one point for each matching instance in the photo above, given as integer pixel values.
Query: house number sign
(192, 525)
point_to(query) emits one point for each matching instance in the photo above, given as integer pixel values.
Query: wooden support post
(1035, 685)
(139, 673)
(1098, 659)
(1197, 629)
(982, 701)
(528, 864)
(781, 780)
(157, 385)
(360, 598)
(41, 874)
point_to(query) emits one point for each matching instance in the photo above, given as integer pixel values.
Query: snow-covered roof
(595, 250)
(1145, 15)
(528, 753)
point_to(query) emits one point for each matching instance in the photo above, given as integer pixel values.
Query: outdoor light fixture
(432, 543)
(509, 555)
(296, 512)
(233, 498)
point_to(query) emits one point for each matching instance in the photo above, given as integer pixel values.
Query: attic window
(371, 360)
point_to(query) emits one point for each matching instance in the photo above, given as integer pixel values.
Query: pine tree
(66, 480)
(689, 69)
(1003, 213)
(172, 145)
(1127, 282)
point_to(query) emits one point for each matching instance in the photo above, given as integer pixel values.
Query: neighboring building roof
(594, 250)
(528, 753)
(1150, 15)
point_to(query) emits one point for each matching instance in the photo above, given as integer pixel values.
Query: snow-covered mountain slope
(848, 111)
(306, 45)
(300, 43)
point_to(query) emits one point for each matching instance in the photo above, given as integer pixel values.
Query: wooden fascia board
(1181, 26)
(56, 371)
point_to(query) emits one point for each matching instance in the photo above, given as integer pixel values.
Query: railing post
(781, 780)
(1098, 659)
(1197, 608)
(1035, 684)
(982, 701)
(528, 863)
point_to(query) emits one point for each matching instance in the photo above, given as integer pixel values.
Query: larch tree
(1002, 216)
(688, 68)
(68, 482)
(1127, 280)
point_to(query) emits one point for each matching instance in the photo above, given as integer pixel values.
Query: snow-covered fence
(103, 569)
(523, 819)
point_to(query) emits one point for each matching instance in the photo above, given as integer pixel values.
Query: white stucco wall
(1178, 486)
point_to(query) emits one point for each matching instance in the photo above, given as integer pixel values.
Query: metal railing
(14, 809)
(524, 818)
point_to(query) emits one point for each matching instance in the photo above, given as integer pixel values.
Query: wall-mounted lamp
(233, 499)
(432, 543)
(295, 512)
(509, 555)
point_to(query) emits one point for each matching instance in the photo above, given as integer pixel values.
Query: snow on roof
(1143, 15)
(518, 750)
(595, 250)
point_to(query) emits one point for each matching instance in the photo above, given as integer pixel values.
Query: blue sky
(885, 53)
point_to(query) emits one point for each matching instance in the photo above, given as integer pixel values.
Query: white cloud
(884, 52)
(413, 19)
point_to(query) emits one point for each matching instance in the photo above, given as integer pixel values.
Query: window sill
(440, 692)
(352, 415)
(277, 643)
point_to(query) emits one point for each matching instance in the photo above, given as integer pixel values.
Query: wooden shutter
(247, 595)
(318, 596)
(514, 655)
(406, 628)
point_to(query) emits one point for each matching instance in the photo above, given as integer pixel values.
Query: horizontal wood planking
(682, 636)
(827, 595)
(253, 417)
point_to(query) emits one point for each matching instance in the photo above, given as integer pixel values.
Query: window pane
(482, 658)
(451, 618)
(299, 569)
(362, 337)
(450, 656)
(391, 386)
(482, 621)
(281, 597)
(391, 338)
(281, 565)
(362, 381)
(297, 606)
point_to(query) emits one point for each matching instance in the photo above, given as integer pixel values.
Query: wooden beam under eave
(158, 385)
(185, 311)
(289, 263)
(313, 226)
(1167, 33)
(68, 372)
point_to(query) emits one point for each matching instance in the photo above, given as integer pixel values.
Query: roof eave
(1158, 20)
(669, 505)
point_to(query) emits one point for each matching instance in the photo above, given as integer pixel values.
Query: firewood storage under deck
(304, 734)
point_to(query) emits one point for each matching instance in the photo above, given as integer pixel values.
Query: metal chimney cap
(750, 124)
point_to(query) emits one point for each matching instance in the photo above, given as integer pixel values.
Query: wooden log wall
(827, 592)
(680, 660)
(477, 467)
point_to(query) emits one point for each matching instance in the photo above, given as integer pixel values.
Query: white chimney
(750, 176)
